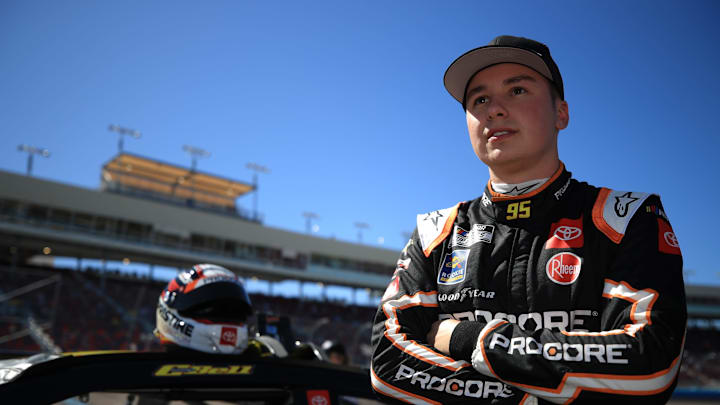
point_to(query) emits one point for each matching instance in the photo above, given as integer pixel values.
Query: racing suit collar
(531, 208)
(497, 197)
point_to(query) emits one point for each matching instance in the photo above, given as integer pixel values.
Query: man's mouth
(499, 133)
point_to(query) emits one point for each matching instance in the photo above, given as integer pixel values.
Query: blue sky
(344, 101)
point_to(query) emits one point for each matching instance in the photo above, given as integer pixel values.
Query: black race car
(139, 378)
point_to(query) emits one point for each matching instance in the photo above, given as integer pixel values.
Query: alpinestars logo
(622, 203)
(434, 217)
(477, 233)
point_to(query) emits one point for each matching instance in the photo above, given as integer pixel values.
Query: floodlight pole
(360, 226)
(256, 168)
(195, 153)
(308, 220)
(32, 151)
(122, 131)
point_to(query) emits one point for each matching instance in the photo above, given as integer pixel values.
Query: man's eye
(480, 100)
(518, 90)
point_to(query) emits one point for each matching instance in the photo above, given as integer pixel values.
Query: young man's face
(512, 119)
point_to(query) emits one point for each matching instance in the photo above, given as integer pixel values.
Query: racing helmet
(204, 308)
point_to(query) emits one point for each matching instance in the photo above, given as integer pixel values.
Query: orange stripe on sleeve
(409, 346)
(445, 231)
(482, 347)
(643, 301)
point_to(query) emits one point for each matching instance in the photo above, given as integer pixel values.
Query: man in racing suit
(542, 290)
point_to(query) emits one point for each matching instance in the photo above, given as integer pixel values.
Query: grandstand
(164, 215)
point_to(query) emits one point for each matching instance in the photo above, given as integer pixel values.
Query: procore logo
(563, 268)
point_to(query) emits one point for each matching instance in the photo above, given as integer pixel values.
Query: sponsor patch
(485, 200)
(563, 268)
(318, 397)
(178, 370)
(464, 293)
(577, 320)
(453, 268)
(558, 194)
(613, 353)
(179, 328)
(667, 241)
(613, 210)
(656, 210)
(477, 233)
(454, 386)
(623, 202)
(228, 336)
(566, 233)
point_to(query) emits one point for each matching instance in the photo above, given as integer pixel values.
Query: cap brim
(466, 66)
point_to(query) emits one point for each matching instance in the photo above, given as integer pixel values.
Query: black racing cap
(503, 49)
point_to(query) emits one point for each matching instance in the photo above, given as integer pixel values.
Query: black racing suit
(569, 293)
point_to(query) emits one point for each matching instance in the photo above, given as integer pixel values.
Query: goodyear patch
(453, 268)
(178, 370)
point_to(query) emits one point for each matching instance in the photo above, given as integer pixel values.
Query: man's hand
(440, 333)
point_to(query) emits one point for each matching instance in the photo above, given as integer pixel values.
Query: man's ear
(562, 115)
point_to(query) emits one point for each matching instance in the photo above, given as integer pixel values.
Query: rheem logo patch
(563, 268)
(228, 336)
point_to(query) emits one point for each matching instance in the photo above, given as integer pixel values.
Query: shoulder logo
(671, 239)
(453, 268)
(563, 268)
(434, 227)
(434, 217)
(613, 211)
(477, 233)
(622, 203)
(667, 241)
(566, 233)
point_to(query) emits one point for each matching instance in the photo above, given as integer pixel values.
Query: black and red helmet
(204, 308)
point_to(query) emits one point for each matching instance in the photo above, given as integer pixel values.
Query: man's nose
(496, 110)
